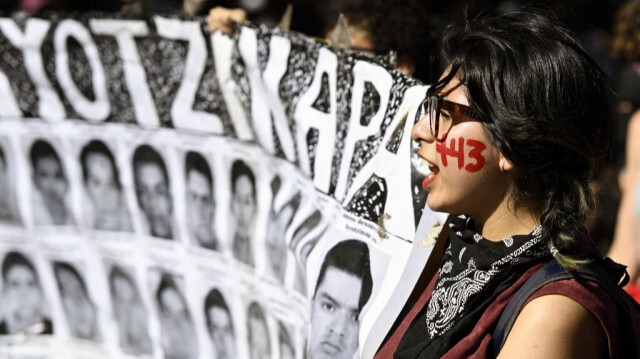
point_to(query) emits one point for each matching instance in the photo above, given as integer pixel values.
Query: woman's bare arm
(555, 326)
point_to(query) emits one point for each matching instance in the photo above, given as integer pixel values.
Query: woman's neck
(506, 220)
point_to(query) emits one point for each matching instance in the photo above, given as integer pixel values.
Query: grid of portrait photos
(154, 242)
(161, 244)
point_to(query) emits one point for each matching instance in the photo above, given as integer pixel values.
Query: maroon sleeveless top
(477, 343)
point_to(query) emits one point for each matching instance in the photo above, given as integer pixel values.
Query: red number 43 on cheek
(475, 154)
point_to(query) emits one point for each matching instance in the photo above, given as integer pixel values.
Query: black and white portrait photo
(51, 186)
(106, 205)
(343, 288)
(220, 325)
(129, 312)
(23, 302)
(178, 334)
(153, 191)
(200, 204)
(243, 210)
(258, 333)
(79, 309)
(8, 204)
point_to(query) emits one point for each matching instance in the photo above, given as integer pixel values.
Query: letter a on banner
(307, 117)
(379, 77)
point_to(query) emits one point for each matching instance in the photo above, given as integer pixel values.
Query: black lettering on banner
(363, 72)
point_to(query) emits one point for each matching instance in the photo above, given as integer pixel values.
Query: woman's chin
(439, 205)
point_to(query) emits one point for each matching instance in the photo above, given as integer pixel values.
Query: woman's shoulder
(565, 318)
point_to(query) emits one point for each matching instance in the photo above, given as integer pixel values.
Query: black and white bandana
(473, 273)
(469, 264)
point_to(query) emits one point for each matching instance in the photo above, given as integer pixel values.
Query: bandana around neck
(473, 272)
(469, 265)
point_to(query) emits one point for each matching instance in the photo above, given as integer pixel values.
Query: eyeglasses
(441, 113)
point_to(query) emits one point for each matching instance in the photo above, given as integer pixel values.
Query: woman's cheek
(465, 154)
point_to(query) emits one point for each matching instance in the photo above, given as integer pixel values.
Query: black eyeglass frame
(433, 104)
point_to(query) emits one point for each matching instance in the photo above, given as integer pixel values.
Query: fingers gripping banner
(168, 192)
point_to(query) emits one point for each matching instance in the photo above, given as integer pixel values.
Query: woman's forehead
(455, 91)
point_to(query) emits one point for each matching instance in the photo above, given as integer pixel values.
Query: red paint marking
(475, 154)
(442, 150)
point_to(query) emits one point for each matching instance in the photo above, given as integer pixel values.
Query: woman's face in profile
(465, 174)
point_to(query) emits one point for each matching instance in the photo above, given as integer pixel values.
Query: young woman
(510, 133)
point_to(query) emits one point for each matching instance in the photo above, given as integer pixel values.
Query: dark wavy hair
(408, 27)
(545, 105)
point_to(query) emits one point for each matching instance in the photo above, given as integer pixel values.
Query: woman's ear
(505, 164)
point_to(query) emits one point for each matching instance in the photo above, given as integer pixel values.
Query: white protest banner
(168, 192)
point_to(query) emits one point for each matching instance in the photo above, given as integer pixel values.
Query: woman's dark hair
(545, 105)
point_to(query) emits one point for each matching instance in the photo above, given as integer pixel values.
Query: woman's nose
(421, 131)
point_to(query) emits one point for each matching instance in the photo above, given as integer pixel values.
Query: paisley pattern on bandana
(469, 266)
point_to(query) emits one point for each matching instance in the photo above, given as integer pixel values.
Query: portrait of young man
(22, 299)
(200, 201)
(51, 186)
(220, 325)
(153, 191)
(243, 209)
(259, 342)
(343, 288)
(78, 307)
(103, 189)
(130, 313)
(178, 334)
